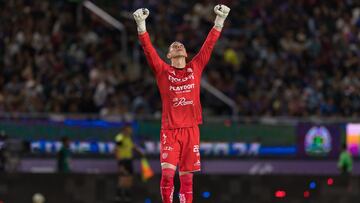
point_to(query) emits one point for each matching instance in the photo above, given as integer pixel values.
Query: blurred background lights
(312, 185)
(206, 194)
(306, 194)
(280, 194)
(330, 181)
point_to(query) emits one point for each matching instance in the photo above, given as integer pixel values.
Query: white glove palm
(140, 16)
(221, 12)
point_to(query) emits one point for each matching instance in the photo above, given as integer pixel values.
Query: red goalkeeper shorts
(180, 147)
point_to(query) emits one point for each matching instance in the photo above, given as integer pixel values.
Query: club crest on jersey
(165, 155)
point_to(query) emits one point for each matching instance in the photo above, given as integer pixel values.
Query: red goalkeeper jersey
(179, 88)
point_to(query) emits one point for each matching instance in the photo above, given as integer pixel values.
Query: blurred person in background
(124, 156)
(345, 163)
(179, 87)
(63, 156)
(11, 151)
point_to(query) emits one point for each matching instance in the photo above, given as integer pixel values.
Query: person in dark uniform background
(63, 157)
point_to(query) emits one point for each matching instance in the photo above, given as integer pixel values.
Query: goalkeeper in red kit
(179, 86)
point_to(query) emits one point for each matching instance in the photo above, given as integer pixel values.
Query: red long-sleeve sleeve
(155, 62)
(202, 58)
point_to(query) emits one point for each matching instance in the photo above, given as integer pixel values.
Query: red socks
(167, 185)
(186, 188)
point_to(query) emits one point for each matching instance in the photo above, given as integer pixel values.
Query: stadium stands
(275, 58)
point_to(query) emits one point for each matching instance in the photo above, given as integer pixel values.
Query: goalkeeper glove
(221, 12)
(140, 16)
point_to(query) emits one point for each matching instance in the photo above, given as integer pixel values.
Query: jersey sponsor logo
(174, 79)
(189, 70)
(182, 102)
(182, 88)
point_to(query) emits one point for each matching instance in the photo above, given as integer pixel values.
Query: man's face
(128, 131)
(176, 49)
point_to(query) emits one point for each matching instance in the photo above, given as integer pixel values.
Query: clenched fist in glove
(140, 16)
(221, 12)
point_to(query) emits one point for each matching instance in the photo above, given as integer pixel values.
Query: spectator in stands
(278, 58)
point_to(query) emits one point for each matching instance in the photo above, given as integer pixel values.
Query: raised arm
(202, 58)
(155, 62)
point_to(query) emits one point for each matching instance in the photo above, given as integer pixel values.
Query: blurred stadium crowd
(275, 58)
